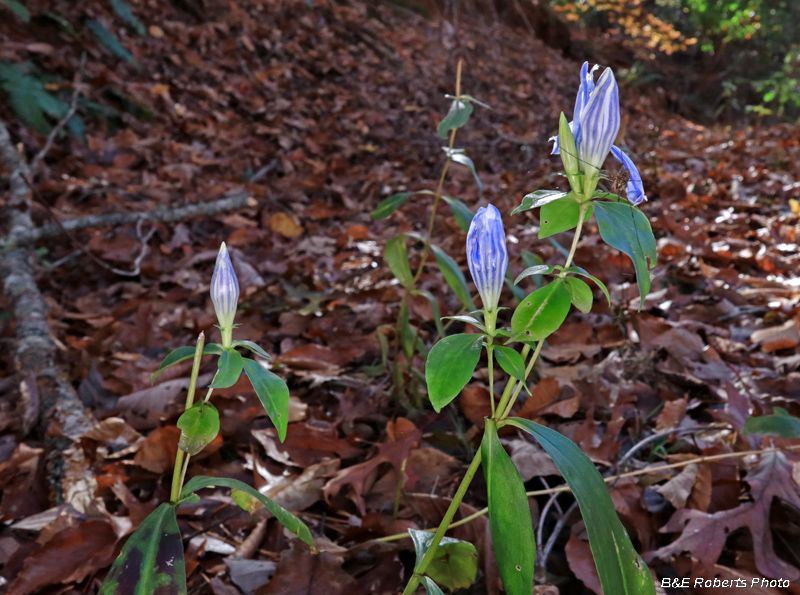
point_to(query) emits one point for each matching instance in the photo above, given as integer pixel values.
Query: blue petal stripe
(635, 188)
(487, 256)
(600, 121)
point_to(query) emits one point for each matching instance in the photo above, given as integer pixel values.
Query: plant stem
(437, 197)
(419, 571)
(179, 471)
(583, 208)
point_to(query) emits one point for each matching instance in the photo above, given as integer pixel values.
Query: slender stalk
(437, 197)
(584, 206)
(182, 459)
(610, 479)
(419, 571)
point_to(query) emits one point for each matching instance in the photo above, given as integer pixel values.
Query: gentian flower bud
(595, 126)
(224, 291)
(487, 255)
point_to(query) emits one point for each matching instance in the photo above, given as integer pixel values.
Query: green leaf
(509, 516)
(537, 269)
(625, 228)
(28, 98)
(458, 156)
(455, 563)
(561, 215)
(622, 571)
(469, 320)
(458, 115)
(183, 353)
(18, 9)
(389, 205)
(125, 12)
(151, 561)
(246, 501)
(450, 365)
(431, 588)
(581, 294)
(285, 518)
(199, 425)
(510, 361)
(437, 316)
(273, 394)
(600, 284)
(454, 277)
(408, 334)
(780, 424)
(461, 212)
(108, 39)
(229, 368)
(537, 199)
(252, 347)
(541, 313)
(397, 259)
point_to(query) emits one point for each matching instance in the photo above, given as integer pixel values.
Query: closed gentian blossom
(595, 126)
(487, 255)
(224, 291)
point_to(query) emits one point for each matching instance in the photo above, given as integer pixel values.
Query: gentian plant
(584, 145)
(152, 562)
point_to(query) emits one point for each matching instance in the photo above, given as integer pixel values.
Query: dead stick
(172, 215)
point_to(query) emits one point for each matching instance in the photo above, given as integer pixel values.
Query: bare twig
(183, 213)
(73, 107)
(562, 520)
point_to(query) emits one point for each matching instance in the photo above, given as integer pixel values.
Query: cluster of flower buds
(595, 126)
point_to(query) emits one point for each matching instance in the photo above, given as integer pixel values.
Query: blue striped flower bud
(224, 290)
(487, 255)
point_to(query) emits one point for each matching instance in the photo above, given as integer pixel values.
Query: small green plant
(152, 558)
(407, 337)
(583, 145)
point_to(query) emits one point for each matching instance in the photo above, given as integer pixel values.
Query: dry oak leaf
(703, 535)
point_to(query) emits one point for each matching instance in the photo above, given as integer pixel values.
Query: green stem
(419, 571)
(437, 197)
(182, 459)
(584, 206)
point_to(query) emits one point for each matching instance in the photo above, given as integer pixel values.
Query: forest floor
(318, 114)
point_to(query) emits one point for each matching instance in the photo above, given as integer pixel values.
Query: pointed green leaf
(437, 316)
(431, 588)
(389, 205)
(255, 348)
(541, 313)
(285, 518)
(538, 198)
(600, 284)
(458, 156)
(510, 361)
(408, 334)
(537, 269)
(781, 424)
(273, 394)
(560, 215)
(454, 277)
(151, 561)
(469, 320)
(625, 228)
(108, 39)
(229, 369)
(458, 115)
(461, 212)
(509, 516)
(581, 294)
(397, 259)
(18, 9)
(199, 425)
(449, 367)
(183, 353)
(454, 564)
(622, 571)
(125, 12)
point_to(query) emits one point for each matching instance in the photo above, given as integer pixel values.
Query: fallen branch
(206, 209)
(62, 418)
